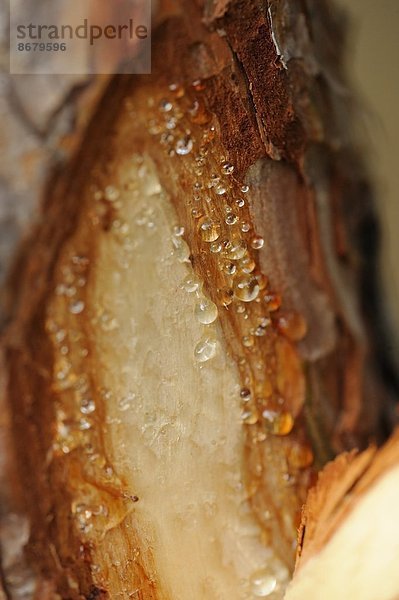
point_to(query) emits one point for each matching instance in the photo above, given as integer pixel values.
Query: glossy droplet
(245, 227)
(111, 193)
(197, 213)
(87, 406)
(293, 326)
(181, 249)
(240, 202)
(248, 341)
(184, 146)
(216, 247)
(177, 90)
(278, 423)
(227, 168)
(263, 583)
(178, 230)
(198, 85)
(165, 105)
(125, 402)
(76, 307)
(245, 394)
(257, 242)
(209, 230)
(171, 123)
(246, 288)
(231, 219)
(273, 301)
(205, 349)
(249, 416)
(206, 311)
(244, 189)
(198, 113)
(226, 296)
(220, 190)
(247, 264)
(229, 267)
(262, 280)
(190, 284)
(235, 250)
(300, 456)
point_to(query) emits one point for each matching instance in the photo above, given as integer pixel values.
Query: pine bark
(262, 87)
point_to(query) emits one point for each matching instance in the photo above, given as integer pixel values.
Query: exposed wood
(154, 473)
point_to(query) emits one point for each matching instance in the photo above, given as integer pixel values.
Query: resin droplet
(111, 193)
(227, 168)
(181, 249)
(257, 242)
(178, 230)
(278, 423)
(206, 311)
(273, 301)
(205, 349)
(209, 230)
(263, 583)
(77, 307)
(300, 456)
(246, 288)
(293, 326)
(215, 247)
(231, 219)
(249, 416)
(165, 105)
(244, 189)
(190, 284)
(235, 250)
(184, 146)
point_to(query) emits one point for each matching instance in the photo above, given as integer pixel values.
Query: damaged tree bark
(194, 325)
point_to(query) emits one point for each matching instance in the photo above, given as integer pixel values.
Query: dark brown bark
(271, 77)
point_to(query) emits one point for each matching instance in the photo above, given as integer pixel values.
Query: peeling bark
(242, 95)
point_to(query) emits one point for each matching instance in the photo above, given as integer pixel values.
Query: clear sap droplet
(87, 406)
(227, 168)
(257, 242)
(165, 105)
(220, 190)
(190, 284)
(231, 219)
(209, 230)
(181, 249)
(77, 307)
(184, 146)
(245, 394)
(246, 288)
(178, 230)
(245, 188)
(249, 416)
(235, 250)
(205, 349)
(206, 311)
(111, 193)
(278, 423)
(215, 247)
(126, 402)
(263, 583)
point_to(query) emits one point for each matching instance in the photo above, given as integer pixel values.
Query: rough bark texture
(259, 86)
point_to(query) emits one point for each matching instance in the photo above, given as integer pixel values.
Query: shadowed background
(373, 53)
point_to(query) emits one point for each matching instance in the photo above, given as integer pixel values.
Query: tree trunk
(194, 322)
